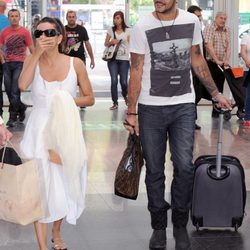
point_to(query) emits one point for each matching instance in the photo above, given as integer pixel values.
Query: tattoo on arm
(134, 87)
(197, 50)
(201, 70)
(136, 60)
(203, 73)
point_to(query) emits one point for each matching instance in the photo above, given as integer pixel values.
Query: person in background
(164, 45)
(4, 22)
(195, 10)
(119, 66)
(76, 38)
(16, 40)
(48, 70)
(35, 19)
(245, 54)
(197, 84)
(218, 49)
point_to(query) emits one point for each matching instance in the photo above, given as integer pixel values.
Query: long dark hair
(59, 28)
(124, 25)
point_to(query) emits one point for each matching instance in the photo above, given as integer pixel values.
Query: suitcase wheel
(227, 116)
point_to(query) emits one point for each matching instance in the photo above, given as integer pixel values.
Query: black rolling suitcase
(219, 191)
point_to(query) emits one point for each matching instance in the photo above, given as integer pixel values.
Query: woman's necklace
(165, 27)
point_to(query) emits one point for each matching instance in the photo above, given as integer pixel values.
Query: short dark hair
(193, 8)
(13, 10)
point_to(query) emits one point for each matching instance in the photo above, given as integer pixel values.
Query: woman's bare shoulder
(78, 62)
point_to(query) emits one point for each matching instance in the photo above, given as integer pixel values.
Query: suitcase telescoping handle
(219, 145)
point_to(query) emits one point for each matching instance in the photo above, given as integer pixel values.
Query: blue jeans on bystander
(121, 68)
(11, 72)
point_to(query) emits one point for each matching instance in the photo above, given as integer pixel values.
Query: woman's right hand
(114, 41)
(44, 43)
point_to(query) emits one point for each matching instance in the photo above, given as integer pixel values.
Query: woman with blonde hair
(49, 132)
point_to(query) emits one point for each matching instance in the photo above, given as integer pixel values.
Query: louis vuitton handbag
(127, 176)
(20, 189)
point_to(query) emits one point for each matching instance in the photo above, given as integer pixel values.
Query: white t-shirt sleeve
(138, 40)
(197, 38)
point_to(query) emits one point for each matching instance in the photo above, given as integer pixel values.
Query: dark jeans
(1, 90)
(11, 72)
(247, 100)
(158, 124)
(121, 68)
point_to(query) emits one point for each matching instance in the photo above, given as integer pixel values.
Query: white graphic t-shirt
(123, 51)
(167, 77)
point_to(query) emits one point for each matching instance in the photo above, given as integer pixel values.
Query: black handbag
(128, 173)
(9, 156)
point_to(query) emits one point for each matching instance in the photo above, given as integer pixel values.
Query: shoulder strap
(113, 28)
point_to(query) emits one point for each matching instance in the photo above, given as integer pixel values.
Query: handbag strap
(113, 28)
(4, 150)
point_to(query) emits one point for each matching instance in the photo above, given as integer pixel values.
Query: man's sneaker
(158, 239)
(180, 220)
(114, 107)
(11, 123)
(22, 114)
(182, 241)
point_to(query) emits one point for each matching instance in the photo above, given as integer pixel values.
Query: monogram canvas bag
(129, 169)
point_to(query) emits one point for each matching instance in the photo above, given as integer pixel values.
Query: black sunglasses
(48, 33)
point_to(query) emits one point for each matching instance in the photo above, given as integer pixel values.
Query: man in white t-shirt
(164, 45)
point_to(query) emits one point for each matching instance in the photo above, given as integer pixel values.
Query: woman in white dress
(48, 70)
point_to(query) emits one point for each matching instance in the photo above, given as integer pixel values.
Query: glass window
(137, 9)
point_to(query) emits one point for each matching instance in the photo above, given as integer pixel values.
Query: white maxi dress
(58, 201)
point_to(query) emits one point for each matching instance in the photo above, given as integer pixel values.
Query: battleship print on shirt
(170, 60)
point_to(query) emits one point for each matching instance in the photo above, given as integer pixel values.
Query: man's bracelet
(215, 99)
(128, 113)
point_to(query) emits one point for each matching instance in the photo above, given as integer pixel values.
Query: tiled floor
(113, 223)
